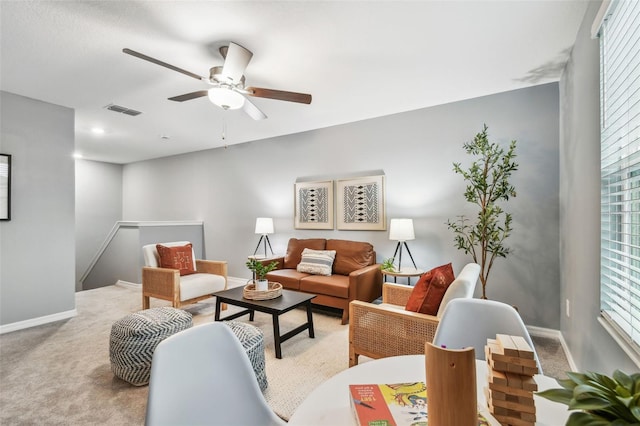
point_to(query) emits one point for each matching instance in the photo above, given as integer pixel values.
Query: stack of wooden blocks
(511, 384)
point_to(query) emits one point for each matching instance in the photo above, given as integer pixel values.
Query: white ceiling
(359, 60)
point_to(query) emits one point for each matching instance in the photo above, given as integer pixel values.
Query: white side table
(404, 273)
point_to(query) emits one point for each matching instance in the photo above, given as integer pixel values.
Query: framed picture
(360, 204)
(314, 205)
(5, 187)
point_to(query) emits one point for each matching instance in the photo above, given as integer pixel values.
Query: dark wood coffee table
(276, 307)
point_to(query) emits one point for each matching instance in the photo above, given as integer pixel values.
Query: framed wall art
(314, 205)
(5, 187)
(360, 204)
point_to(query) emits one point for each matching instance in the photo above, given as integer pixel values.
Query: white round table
(329, 403)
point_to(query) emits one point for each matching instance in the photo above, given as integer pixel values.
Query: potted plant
(602, 400)
(261, 270)
(388, 266)
(488, 184)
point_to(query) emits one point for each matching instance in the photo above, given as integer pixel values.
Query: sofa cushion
(335, 285)
(350, 255)
(177, 257)
(295, 247)
(316, 262)
(289, 278)
(429, 290)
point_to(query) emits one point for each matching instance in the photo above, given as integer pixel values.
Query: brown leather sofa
(355, 273)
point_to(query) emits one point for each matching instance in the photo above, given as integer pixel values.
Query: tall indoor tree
(487, 184)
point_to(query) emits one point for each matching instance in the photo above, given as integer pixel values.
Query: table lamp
(401, 230)
(264, 226)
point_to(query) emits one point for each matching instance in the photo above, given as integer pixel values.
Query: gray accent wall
(122, 258)
(37, 246)
(591, 346)
(228, 188)
(98, 208)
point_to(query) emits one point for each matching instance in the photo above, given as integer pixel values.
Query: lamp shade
(401, 230)
(264, 225)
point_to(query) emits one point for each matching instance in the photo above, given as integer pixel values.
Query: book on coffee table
(399, 404)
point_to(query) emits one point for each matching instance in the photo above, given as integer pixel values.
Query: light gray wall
(98, 208)
(592, 347)
(122, 258)
(120, 261)
(37, 255)
(229, 188)
(150, 234)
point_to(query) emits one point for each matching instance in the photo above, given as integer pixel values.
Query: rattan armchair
(167, 284)
(378, 331)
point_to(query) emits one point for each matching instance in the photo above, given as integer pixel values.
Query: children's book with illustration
(399, 404)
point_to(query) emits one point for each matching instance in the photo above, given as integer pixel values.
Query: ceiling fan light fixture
(226, 98)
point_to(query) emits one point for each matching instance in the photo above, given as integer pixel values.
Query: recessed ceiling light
(97, 130)
(77, 155)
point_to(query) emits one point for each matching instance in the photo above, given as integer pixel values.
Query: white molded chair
(167, 284)
(462, 287)
(202, 376)
(470, 322)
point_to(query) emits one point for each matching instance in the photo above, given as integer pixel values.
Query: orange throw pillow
(430, 289)
(178, 257)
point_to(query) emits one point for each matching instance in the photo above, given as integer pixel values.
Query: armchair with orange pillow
(408, 316)
(172, 273)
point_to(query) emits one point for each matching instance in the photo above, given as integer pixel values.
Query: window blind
(620, 170)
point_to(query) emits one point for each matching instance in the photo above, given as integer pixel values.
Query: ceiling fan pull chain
(224, 127)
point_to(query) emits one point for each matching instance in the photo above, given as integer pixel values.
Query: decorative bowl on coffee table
(250, 292)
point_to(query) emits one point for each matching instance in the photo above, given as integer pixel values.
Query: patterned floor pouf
(252, 340)
(134, 339)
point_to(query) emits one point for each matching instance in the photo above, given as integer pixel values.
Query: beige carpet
(59, 374)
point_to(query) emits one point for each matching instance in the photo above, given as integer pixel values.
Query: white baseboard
(543, 332)
(554, 334)
(20, 325)
(129, 284)
(567, 352)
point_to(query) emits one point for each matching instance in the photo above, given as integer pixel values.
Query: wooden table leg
(310, 320)
(216, 317)
(276, 335)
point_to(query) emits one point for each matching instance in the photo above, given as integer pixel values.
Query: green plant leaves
(635, 410)
(585, 419)
(388, 265)
(259, 268)
(563, 396)
(488, 184)
(602, 399)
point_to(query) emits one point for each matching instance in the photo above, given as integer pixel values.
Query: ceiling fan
(227, 83)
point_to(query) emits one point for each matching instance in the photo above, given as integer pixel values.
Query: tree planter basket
(250, 292)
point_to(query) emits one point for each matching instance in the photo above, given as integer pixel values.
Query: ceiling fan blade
(280, 95)
(189, 96)
(236, 60)
(163, 64)
(252, 110)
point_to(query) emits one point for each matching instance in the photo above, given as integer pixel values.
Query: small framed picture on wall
(314, 205)
(360, 204)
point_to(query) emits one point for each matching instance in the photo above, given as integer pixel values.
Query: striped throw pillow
(316, 262)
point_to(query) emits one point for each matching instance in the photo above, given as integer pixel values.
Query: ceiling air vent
(122, 110)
